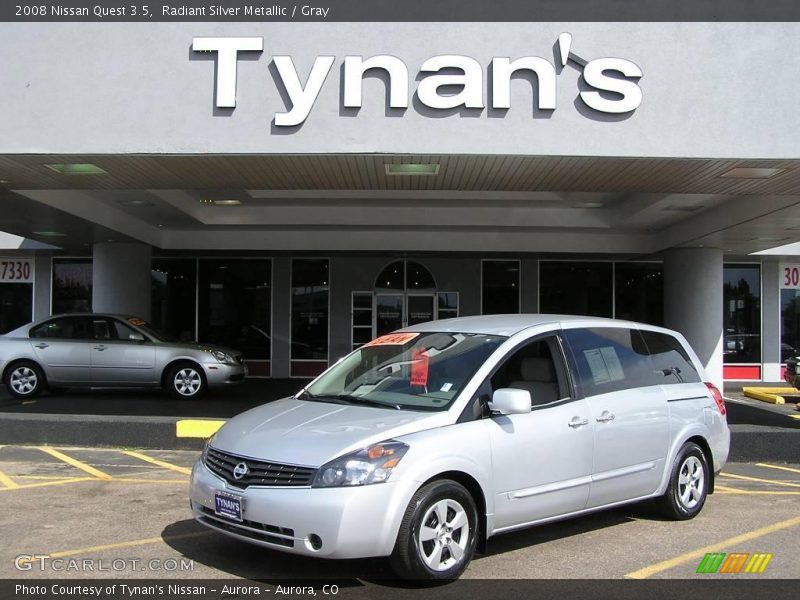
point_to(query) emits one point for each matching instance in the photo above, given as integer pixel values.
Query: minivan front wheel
(688, 484)
(438, 533)
(24, 380)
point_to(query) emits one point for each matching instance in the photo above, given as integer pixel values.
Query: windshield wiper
(344, 399)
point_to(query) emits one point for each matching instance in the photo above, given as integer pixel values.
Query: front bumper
(354, 522)
(219, 374)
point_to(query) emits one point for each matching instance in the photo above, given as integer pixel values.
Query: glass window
(65, 328)
(418, 277)
(575, 288)
(16, 305)
(500, 287)
(669, 358)
(173, 297)
(72, 285)
(536, 367)
(608, 359)
(742, 314)
(310, 286)
(362, 318)
(392, 277)
(639, 292)
(123, 332)
(447, 305)
(790, 324)
(235, 305)
(422, 371)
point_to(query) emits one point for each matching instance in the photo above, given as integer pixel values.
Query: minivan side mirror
(510, 401)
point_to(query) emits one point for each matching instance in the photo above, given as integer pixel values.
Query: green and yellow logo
(733, 563)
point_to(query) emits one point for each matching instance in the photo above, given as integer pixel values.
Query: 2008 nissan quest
(425, 442)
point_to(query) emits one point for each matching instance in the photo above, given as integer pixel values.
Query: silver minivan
(424, 443)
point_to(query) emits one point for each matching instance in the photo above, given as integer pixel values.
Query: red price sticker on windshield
(393, 339)
(419, 368)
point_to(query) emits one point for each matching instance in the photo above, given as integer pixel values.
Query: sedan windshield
(414, 371)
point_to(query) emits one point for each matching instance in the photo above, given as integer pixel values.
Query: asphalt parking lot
(126, 510)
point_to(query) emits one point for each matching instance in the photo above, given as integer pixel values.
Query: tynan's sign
(613, 82)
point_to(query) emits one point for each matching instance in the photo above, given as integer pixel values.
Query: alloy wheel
(187, 382)
(24, 380)
(444, 535)
(691, 482)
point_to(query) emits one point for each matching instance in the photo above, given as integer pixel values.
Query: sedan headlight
(222, 357)
(363, 467)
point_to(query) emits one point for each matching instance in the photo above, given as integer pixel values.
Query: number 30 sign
(790, 276)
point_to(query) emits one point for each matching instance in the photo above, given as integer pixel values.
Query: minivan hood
(311, 433)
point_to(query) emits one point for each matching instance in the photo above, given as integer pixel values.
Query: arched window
(405, 275)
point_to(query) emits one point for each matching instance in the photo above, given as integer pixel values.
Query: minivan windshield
(411, 370)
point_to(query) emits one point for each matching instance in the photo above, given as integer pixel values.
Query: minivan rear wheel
(24, 380)
(688, 484)
(438, 533)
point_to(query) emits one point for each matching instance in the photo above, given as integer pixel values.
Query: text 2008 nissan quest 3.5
(423, 443)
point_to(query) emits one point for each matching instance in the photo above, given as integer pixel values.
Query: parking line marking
(24, 486)
(729, 490)
(701, 552)
(160, 463)
(7, 482)
(758, 479)
(197, 428)
(103, 547)
(75, 463)
(782, 468)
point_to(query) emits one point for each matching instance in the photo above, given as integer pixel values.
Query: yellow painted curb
(771, 395)
(197, 428)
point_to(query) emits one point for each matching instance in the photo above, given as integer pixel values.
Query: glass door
(389, 313)
(420, 308)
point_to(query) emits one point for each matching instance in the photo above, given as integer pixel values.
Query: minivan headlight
(363, 467)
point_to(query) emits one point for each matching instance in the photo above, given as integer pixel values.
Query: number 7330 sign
(16, 270)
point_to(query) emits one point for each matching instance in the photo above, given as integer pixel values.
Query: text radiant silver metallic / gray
(422, 444)
(100, 350)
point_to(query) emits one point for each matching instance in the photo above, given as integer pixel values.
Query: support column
(42, 286)
(281, 317)
(121, 276)
(771, 320)
(693, 302)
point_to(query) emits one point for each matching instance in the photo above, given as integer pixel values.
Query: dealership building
(295, 189)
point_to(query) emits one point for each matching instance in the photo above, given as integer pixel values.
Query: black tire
(409, 557)
(25, 379)
(688, 484)
(185, 381)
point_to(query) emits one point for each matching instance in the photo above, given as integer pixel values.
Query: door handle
(605, 417)
(578, 422)
(101, 347)
(41, 345)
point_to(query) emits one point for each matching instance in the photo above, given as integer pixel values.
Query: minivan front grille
(258, 472)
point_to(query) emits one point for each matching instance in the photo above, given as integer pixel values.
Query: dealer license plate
(228, 506)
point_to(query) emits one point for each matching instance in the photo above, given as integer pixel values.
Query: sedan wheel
(25, 380)
(438, 534)
(186, 382)
(688, 484)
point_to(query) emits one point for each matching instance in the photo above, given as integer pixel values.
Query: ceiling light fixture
(412, 169)
(752, 172)
(136, 203)
(767, 239)
(227, 202)
(49, 234)
(683, 208)
(76, 169)
(588, 205)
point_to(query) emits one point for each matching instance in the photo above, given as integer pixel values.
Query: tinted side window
(670, 359)
(608, 359)
(65, 328)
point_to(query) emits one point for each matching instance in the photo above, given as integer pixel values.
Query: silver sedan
(106, 350)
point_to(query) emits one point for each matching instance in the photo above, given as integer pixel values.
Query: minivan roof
(506, 325)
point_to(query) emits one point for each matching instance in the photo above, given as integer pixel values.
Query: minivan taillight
(717, 398)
